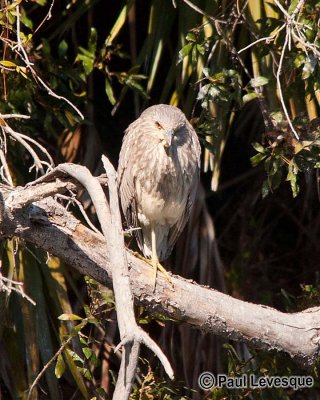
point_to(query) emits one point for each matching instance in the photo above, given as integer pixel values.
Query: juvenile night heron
(158, 176)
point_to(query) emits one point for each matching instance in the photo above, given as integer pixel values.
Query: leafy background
(236, 68)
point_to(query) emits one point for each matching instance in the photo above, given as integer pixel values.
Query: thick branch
(49, 226)
(110, 221)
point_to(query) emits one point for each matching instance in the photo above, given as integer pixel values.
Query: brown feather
(157, 180)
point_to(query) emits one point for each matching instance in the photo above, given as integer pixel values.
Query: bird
(158, 175)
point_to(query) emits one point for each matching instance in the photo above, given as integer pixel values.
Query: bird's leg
(154, 257)
(155, 260)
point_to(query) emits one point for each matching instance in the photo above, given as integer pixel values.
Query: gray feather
(158, 184)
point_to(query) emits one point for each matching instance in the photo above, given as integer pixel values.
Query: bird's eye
(158, 125)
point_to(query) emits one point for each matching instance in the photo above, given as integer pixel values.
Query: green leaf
(292, 177)
(194, 55)
(292, 169)
(265, 190)
(92, 45)
(133, 84)
(276, 177)
(255, 160)
(87, 352)
(83, 340)
(87, 374)
(101, 392)
(85, 52)
(309, 67)
(22, 71)
(191, 37)
(25, 20)
(76, 329)
(87, 62)
(74, 356)
(60, 367)
(109, 92)
(144, 321)
(69, 317)
(70, 357)
(292, 6)
(201, 49)
(185, 51)
(299, 60)
(248, 97)
(8, 64)
(294, 186)
(259, 81)
(259, 148)
(62, 49)
(121, 20)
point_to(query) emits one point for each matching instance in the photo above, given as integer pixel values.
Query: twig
(14, 286)
(263, 107)
(266, 39)
(278, 4)
(8, 116)
(82, 210)
(290, 17)
(39, 376)
(46, 18)
(5, 172)
(290, 23)
(19, 49)
(3, 140)
(43, 149)
(53, 94)
(280, 88)
(200, 11)
(17, 136)
(23, 140)
(313, 47)
(24, 196)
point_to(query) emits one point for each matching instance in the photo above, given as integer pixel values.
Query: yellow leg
(155, 261)
(154, 257)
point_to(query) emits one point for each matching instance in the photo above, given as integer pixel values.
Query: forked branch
(108, 214)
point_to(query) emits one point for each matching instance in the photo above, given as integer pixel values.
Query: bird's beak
(168, 137)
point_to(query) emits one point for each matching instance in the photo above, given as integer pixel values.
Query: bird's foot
(157, 266)
(140, 256)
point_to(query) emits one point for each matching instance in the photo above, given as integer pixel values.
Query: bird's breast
(162, 187)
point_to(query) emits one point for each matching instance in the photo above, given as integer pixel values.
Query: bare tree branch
(110, 221)
(49, 226)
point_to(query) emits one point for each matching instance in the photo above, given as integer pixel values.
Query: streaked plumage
(158, 176)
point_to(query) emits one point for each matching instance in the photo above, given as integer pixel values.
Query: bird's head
(167, 124)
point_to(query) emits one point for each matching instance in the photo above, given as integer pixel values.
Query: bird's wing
(177, 229)
(126, 184)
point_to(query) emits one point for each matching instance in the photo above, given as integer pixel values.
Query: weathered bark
(49, 226)
(108, 213)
